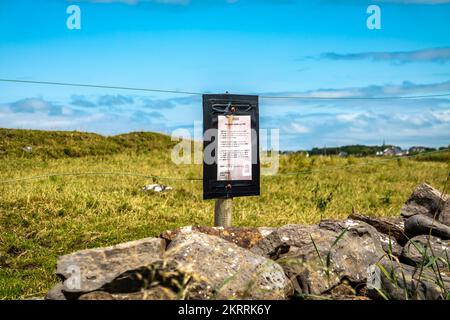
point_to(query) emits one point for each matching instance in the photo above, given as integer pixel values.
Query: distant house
(417, 149)
(394, 151)
(343, 154)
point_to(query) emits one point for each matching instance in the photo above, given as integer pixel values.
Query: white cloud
(443, 116)
(302, 123)
(298, 128)
(406, 88)
(438, 55)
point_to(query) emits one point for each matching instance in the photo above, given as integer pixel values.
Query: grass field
(44, 218)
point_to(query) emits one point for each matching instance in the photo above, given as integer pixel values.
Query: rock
(56, 293)
(389, 244)
(343, 254)
(265, 231)
(96, 295)
(430, 202)
(342, 289)
(413, 253)
(88, 270)
(340, 297)
(444, 215)
(156, 188)
(400, 281)
(350, 297)
(281, 240)
(243, 237)
(152, 280)
(393, 227)
(155, 293)
(222, 270)
(422, 225)
(425, 200)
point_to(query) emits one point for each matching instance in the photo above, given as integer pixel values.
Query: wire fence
(155, 177)
(262, 96)
(163, 178)
(367, 163)
(81, 174)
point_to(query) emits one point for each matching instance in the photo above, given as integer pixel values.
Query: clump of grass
(427, 265)
(322, 200)
(327, 264)
(386, 198)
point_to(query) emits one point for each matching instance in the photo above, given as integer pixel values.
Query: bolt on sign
(230, 146)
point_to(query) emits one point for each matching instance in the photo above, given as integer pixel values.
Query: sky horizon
(271, 48)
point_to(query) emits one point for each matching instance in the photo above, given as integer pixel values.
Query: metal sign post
(231, 165)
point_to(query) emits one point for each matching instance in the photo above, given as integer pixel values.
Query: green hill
(73, 144)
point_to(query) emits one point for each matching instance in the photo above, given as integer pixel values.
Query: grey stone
(243, 237)
(444, 215)
(422, 225)
(154, 293)
(391, 226)
(88, 270)
(425, 200)
(222, 270)
(280, 240)
(388, 243)
(400, 282)
(419, 249)
(56, 293)
(160, 274)
(96, 295)
(342, 289)
(318, 258)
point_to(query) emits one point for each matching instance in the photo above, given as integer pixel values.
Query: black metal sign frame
(215, 105)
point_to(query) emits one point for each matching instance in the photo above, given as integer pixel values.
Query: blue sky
(273, 47)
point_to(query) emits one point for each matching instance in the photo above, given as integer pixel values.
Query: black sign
(231, 146)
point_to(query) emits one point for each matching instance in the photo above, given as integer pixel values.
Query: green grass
(42, 219)
(437, 157)
(71, 144)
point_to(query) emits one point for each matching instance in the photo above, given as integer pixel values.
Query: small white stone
(187, 229)
(384, 239)
(265, 232)
(350, 223)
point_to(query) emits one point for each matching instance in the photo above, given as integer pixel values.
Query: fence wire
(261, 96)
(162, 178)
(155, 177)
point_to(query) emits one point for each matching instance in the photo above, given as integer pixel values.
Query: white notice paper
(234, 148)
